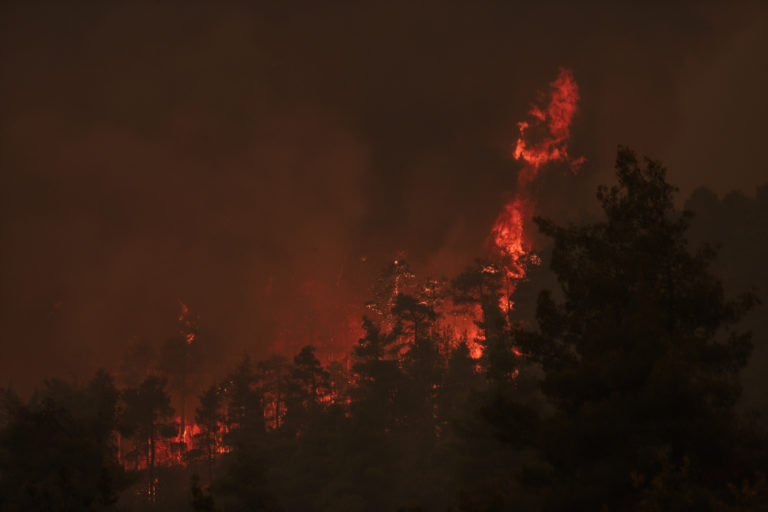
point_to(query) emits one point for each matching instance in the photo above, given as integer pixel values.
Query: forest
(621, 371)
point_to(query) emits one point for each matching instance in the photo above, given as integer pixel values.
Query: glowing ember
(187, 323)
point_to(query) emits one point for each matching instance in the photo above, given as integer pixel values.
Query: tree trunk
(211, 448)
(152, 490)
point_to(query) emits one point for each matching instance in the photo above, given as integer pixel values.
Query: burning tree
(543, 139)
(180, 360)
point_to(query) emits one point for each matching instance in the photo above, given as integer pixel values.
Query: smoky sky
(261, 161)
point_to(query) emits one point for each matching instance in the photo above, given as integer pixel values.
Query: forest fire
(299, 257)
(542, 139)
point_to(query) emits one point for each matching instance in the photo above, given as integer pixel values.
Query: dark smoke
(244, 159)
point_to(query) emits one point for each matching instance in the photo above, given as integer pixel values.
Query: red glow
(462, 326)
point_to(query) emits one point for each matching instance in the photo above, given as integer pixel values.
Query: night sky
(246, 160)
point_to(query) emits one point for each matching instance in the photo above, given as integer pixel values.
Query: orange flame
(553, 125)
(543, 138)
(508, 234)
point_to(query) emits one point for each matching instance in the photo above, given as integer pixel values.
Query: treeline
(622, 397)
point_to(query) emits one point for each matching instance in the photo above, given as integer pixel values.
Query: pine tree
(309, 384)
(245, 407)
(378, 373)
(57, 452)
(147, 416)
(640, 357)
(209, 416)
